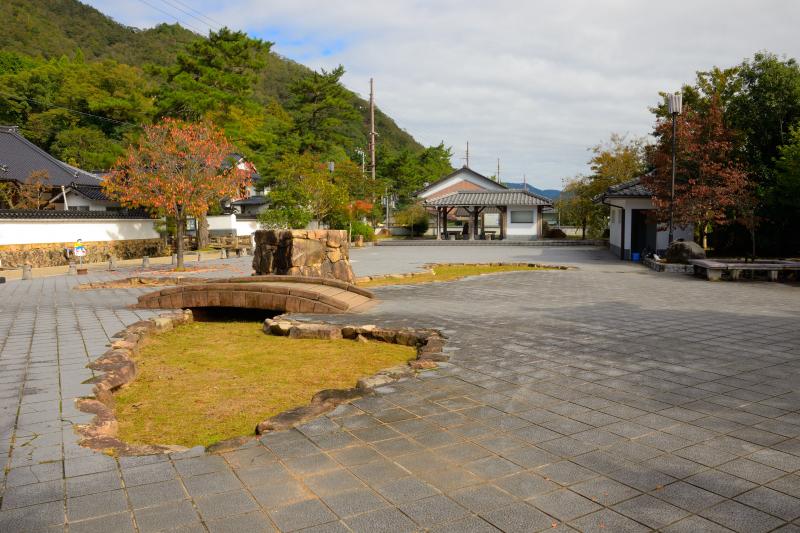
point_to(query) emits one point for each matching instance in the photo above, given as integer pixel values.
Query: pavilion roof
(489, 198)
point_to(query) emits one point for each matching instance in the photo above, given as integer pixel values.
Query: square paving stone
(738, 517)
(705, 454)
(650, 511)
(147, 474)
(355, 455)
(33, 518)
(641, 477)
(93, 483)
(196, 466)
(226, 504)
(687, 496)
(772, 502)
(530, 457)
(721, 483)
(675, 466)
(94, 505)
(564, 504)
(492, 467)
(450, 479)
(566, 473)
(156, 493)
(255, 522)
(519, 518)
(463, 452)
(566, 447)
(379, 472)
(328, 527)
(274, 495)
(301, 515)
(26, 495)
(787, 484)
(695, 524)
(333, 482)
(605, 491)
(776, 459)
(751, 471)
(213, 483)
(354, 502)
(607, 520)
(406, 490)
(471, 524)
(526, 485)
(381, 521)
(310, 464)
(118, 523)
(482, 498)
(168, 516)
(397, 447)
(434, 510)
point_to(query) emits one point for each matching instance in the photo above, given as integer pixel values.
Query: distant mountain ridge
(553, 194)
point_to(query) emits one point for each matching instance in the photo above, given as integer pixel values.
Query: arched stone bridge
(291, 294)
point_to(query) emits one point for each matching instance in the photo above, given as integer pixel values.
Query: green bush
(556, 233)
(415, 218)
(363, 229)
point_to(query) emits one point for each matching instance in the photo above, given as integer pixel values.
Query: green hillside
(47, 29)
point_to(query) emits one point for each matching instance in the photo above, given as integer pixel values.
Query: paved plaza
(607, 397)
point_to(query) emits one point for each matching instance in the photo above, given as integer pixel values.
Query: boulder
(682, 251)
(310, 253)
(315, 331)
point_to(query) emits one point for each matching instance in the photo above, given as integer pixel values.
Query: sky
(535, 83)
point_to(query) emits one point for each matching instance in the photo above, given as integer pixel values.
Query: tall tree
(321, 106)
(177, 169)
(710, 181)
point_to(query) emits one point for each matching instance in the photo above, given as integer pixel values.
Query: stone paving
(605, 398)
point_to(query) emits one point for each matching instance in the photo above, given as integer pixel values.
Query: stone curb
(428, 343)
(118, 368)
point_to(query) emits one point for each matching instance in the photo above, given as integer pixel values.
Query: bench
(714, 270)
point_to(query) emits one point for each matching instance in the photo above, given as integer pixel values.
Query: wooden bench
(714, 270)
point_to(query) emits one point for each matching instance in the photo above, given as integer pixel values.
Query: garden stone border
(119, 368)
(430, 268)
(429, 344)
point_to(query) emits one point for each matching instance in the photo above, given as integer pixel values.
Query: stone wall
(317, 253)
(55, 254)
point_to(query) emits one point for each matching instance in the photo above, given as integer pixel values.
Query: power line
(53, 106)
(172, 15)
(200, 20)
(190, 8)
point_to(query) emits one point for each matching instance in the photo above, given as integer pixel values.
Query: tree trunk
(180, 225)
(202, 232)
(583, 229)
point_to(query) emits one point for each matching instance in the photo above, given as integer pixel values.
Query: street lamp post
(674, 105)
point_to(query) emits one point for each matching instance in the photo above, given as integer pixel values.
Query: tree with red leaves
(177, 169)
(710, 181)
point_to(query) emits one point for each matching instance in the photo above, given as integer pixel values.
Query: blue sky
(534, 83)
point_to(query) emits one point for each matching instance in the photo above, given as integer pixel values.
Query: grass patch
(451, 273)
(206, 382)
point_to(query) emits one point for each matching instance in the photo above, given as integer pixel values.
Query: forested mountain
(67, 31)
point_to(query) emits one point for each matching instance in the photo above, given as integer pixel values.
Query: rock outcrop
(313, 253)
(682, 251)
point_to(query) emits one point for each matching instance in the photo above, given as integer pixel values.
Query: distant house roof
(464, 169)
(489, 198)
(628, 189)
(251, 200)
(20, 157)
(69, 215)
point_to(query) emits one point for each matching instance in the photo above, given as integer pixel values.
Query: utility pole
(372, 132)
(674, 106)
(467, 165)
(497, 176)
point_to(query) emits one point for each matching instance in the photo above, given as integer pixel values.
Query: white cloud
(532, 82)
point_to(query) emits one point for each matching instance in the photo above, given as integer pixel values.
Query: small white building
(632, 225)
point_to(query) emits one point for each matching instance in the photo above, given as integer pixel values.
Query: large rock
(683, 251)
(313, 253)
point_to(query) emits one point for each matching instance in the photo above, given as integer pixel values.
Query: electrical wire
(53, 106)
(210, 22)
(172, 15)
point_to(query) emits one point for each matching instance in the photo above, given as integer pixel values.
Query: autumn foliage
(177, 169)
(710, 181)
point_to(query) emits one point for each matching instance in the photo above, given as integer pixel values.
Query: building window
(522, 217)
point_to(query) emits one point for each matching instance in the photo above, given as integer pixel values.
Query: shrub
(556, 233)
(363, 229)
(415, 218)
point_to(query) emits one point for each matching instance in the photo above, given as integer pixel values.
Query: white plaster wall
(221, 222)
(462, 176)
(58, 231)
(629, 204)
(519, 229)
(615, 226)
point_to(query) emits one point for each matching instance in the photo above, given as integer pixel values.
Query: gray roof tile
(490, 198)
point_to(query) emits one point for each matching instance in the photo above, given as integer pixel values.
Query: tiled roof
(464, 169)
(628, 189)
(251, 200)
(489, 198)
(92, 192)
(20, 157)
(70, 215)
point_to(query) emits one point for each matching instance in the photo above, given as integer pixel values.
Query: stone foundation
(310, 253)
(55, 254)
